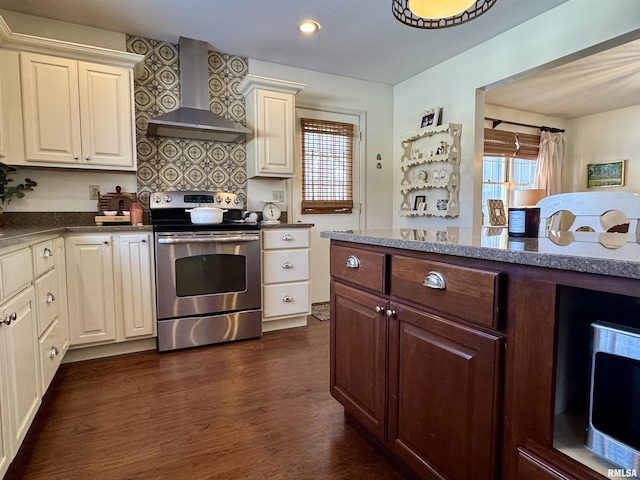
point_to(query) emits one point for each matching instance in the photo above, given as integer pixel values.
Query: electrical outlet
(94, 192)
(278, 195)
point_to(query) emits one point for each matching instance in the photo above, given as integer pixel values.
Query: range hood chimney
(194, 119)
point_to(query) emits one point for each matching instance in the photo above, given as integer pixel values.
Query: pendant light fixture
(432, 14)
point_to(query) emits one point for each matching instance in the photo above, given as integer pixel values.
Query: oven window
(616, 398)
(210, 274)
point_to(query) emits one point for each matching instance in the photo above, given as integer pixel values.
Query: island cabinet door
(358, 356)
(444, 383)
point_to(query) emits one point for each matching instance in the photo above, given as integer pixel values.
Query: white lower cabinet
(285, 278)
(110, 288)
(21, 365)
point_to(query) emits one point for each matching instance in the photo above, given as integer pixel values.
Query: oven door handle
(227, 239)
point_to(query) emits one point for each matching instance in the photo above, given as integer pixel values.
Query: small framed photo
(606, 174)
(420, 200)
(430, 117)
(497, 216)
(422, 206)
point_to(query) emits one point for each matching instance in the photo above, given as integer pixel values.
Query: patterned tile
(169, 163)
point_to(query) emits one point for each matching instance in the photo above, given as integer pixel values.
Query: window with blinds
(498, 143)
(327, 166)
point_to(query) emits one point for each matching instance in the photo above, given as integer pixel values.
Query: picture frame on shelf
(430, 117)
(606, 174)
(497, 216)
(420, 200)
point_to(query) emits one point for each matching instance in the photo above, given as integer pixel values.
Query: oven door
(201, 273)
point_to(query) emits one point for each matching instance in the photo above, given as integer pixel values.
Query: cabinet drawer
(361, 267)
(531, 467)
(282, 238)
(287, 299)
(47, 299)
(285, 265)
(51, 345)
(468, 293)
(16, 271)
(43, 257)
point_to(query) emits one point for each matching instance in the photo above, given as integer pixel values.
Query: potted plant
(7, 192)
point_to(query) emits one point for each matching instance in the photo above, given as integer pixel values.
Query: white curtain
(550, 160)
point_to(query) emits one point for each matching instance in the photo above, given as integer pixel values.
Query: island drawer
(468, 293)
(361, 267)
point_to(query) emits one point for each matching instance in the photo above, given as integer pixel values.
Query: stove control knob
(219, 199)
(236, 201)
(157, 199)
(167, 198)
(227, 200)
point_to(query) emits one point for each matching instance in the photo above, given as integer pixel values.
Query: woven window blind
(498, 143)
(327, 166)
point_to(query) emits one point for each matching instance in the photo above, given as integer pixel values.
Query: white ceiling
(359, 38)
(604, 81)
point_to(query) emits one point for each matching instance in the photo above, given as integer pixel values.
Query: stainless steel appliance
(614, 405)
(207, 275)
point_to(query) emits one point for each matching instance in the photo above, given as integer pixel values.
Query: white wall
(330, 92)
(573, 29)
(604, 137)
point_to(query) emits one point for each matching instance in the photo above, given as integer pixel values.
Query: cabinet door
(11, 134)
(5, 447)
(90, 289)
(137, 285)
(273, 137)
(106, 114)
(22, 362)
(359, 355)
(444, 382)
(51, 108)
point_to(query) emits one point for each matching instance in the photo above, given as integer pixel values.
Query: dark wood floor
(258, 409)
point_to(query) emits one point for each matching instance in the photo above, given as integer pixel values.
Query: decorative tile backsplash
(177, 164)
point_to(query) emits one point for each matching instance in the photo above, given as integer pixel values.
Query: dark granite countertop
(286, 225)
(612, 254)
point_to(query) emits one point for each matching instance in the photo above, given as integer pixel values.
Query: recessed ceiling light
(309, 26)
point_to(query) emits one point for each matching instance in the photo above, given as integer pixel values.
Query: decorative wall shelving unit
(430, 166)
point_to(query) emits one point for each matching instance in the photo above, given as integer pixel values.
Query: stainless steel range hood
(194, 119)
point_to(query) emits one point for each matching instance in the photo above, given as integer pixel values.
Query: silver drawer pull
(434, 280)
(8, 319)
(287, 237)
(352, 262)
(50, 297)
(287, 298)
(53, 353)
(287, 265)
(46, 253)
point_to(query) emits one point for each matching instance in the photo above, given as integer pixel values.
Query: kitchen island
(466, 353)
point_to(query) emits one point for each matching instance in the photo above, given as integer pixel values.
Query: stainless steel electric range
(207, 276)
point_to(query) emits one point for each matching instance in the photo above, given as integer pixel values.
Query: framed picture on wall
(606, 174)
(430, 118)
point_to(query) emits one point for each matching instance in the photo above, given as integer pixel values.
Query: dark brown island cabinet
(486, 378)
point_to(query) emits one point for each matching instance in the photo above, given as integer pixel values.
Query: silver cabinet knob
(287, 237)
(75, 157)
(287, 298)
(379, 309)
(144, 240)
(47, 253)
(105, 242)
(51, 297)
(287, 265)
(434, 280)
(87, 158)
(8, 319)
(53, 353)
(390, 313)
(352, 262)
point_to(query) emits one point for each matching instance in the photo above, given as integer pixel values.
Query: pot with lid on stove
(206, 215)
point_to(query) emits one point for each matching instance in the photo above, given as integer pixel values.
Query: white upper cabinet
(270, 105)
(77, 113)
(11, 145)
